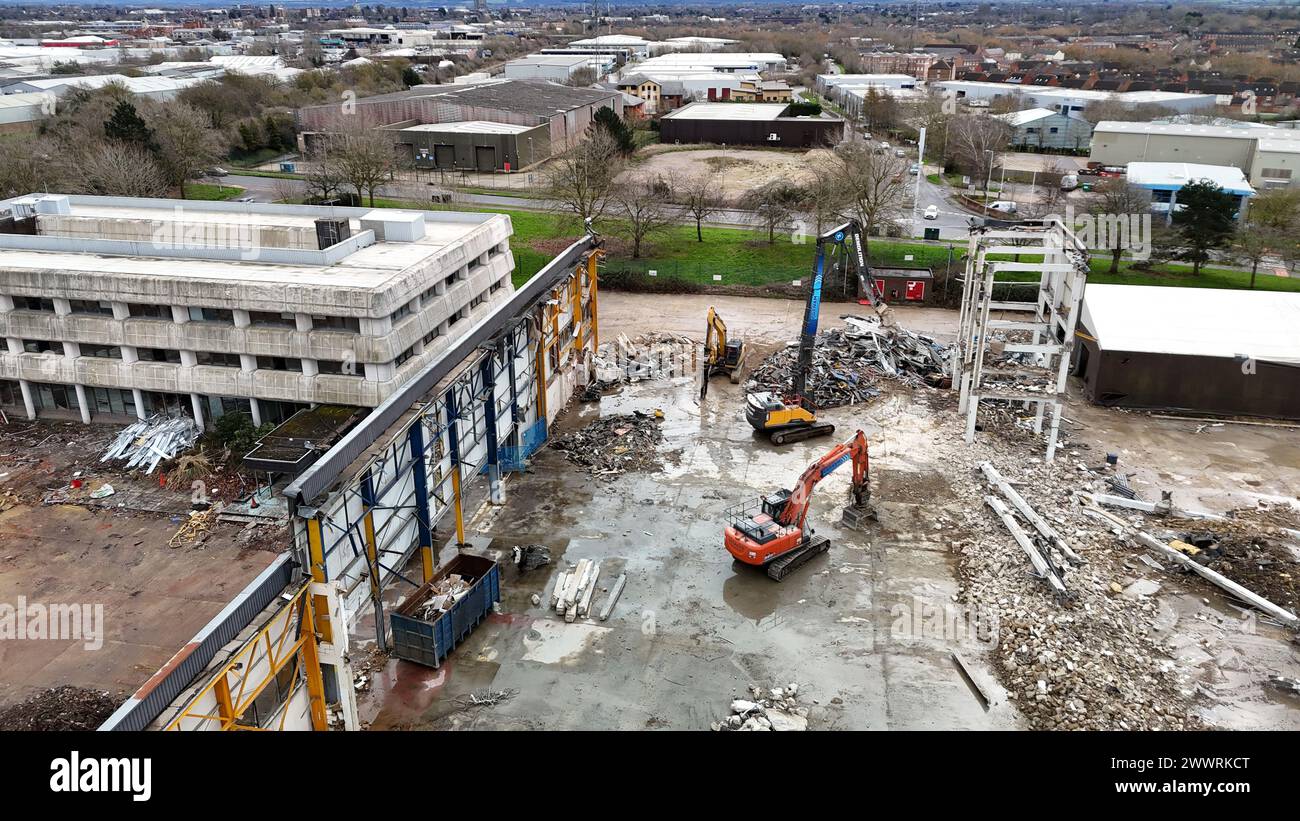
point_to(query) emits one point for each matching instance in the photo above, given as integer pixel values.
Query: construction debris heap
(847, 362)
(614, 444)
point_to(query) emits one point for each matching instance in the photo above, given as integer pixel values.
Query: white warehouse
(118, 308)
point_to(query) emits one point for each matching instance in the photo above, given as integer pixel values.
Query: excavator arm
(854, 450)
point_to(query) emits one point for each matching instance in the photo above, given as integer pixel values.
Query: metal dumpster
(429, 642)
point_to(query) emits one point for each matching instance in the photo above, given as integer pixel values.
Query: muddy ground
(738, 171)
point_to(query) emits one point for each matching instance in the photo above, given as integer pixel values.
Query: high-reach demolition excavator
(773, 532)
(793, 417)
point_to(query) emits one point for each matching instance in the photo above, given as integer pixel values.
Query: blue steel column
(372, 557)
(495, 493)
(422, 519)
(514, 390)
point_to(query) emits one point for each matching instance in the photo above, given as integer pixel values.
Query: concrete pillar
(62, 307)
(29, 401)
(71, 350)
(242, 319)
(180, 314)
(196, 403)
(247, 362)
(256, 411)
(309, 367)
(189, 359)
(121, 311)
(129, 354)
(138, 396)
(302, 322)
(6, 302)
(14, 344)
(83, 404)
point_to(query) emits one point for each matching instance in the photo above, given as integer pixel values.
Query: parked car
(1005, 206)
(886, 146)
(932, 213)
(218, 172)
(1069, 182)
(914, 169)
(900, 153)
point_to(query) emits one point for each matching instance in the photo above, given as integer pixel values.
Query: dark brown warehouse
(748, 124)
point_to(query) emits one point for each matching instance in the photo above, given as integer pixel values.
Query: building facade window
(336, 323)
(335, 367)
(42, 346)
(279, 363)
(159, 355)
(217, 359)
(89, 306)
(267, 319)
(100, 351)
(140, 310)
(212, 315)
(33, 303)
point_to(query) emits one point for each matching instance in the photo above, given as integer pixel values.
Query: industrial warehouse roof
(1174, 175)
(472, 127)
(728, 111)
(1029, 115)
(1194, 321)
(537, 97)
(1118, 127)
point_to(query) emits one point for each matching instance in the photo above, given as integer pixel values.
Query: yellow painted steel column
(316, 556)
(225, 706)
(460, 512)
(311, 666)
(592, 278)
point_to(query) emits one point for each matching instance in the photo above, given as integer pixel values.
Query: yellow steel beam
(592, 277)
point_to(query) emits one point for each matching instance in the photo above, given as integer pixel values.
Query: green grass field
(207, 191)
(743, 257)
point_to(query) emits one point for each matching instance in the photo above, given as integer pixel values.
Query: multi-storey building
(119, 307)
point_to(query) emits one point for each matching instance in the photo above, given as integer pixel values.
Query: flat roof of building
(1194, 321)
(563, 60)
(728, 111)
(1181, 130)
(1174, 175)
(215, 241)
(1029, 115)
(537, 97)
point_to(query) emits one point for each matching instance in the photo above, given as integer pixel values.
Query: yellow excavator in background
(721, 354)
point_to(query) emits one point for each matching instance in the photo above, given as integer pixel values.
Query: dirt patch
(60, 709)
(739, 170)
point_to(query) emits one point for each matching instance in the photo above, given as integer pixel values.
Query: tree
(607, 120)
(873, 186)
(1253, 242)
(1206, 218)
(119, 169)
(322, 180)
(642, 203)
(880, 111)
(700, 196)
(127, 126)
(31, 165)
(978, 141)
(1268, 229)
(581, 180)
(411, 77)
(186, 144)
(1117, 200)
(774, 203)
(364, 158)
(582, 78)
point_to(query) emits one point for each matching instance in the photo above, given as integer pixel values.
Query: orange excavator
(772, 533)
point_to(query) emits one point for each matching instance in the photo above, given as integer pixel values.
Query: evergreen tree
(609, 121)
(1206, 219)
(127, 126)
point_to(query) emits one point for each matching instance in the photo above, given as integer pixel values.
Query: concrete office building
(119, 307)
(1270, 157)
(748, 124)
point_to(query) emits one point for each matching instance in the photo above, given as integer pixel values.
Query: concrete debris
(614, 444)
(444, 593)
(575, 589)
(613, 597)
(776, 709)
(1291, 686)
(646, 356)
(531, 557)
(149, 442)
(848, 362)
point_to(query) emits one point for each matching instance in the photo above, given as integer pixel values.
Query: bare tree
(774, 203)
(581, 180)
(187, 143)
(583, 77)
(120, 170)
(1117, 202)
(644, 204)
(365, 158)
(31, 165)
(978, 141)
(700, 196)
(1268, 230)
(323, 181)
(872, 185)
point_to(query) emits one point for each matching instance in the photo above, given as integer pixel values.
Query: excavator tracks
(781, 567)
(785, 437)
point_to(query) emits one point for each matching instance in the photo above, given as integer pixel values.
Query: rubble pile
(60, 708)
(776, 709)
(530, 557)
(848, 362)
(614, 444)
(645, 356)
(151, 441)
(445, 593)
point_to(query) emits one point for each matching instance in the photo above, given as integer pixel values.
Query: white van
(1005, 206)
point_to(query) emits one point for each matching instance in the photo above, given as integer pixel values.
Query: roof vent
(330, 232)
(394, 226)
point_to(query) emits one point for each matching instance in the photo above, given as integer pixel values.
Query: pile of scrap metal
(646, 356)
(442, 596)
(847, 362)
(531, 557)
(151, 441)
(614, 444)
(1048, 552)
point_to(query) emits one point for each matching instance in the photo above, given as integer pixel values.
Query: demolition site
(609, 510)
